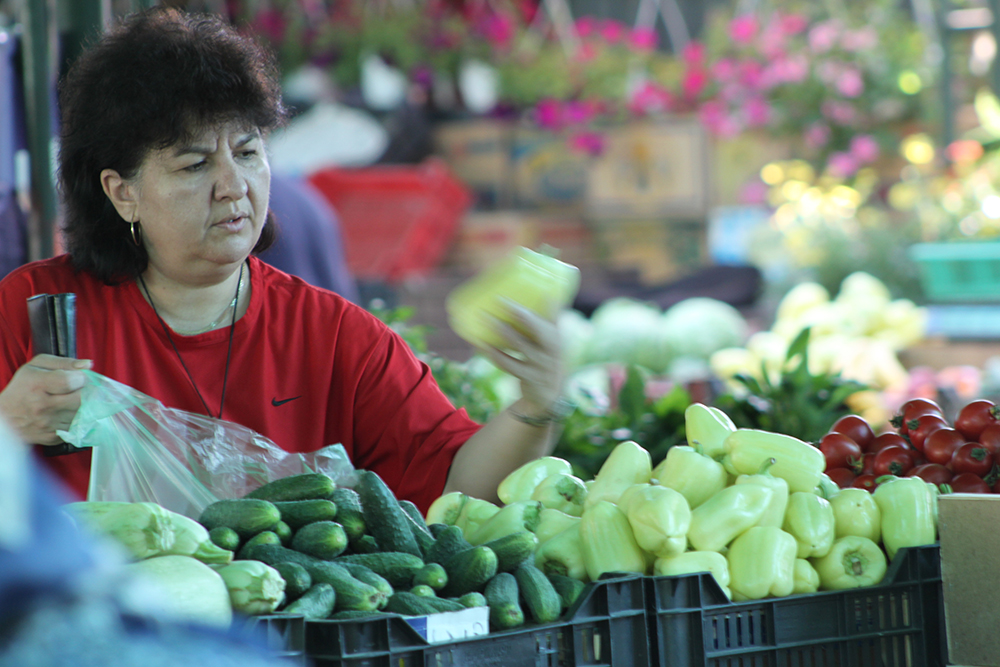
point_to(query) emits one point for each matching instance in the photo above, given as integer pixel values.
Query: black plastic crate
(283, 634)
(899, 623)
(607, 626)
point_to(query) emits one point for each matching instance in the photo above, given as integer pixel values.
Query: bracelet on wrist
(555, 413)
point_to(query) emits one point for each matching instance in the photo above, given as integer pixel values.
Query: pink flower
(549, 114)
(694, 54)
(823, 36)
(850, 83)
(576, 113)
(587, 142)
(751, 73)
(650, 98)
(743, 29)
(694, 83)
(864, 148)
(585, 53)
(713, 116)
(817, 136)
(753, 192)
(586, 26)
(863, 39)
(794, 69)
(498, 30)
(792, 24)
(724, 69)
(758, 112)
(271, 24)
(842, 164)
(613, 32)
(643, 39)
(839, 112)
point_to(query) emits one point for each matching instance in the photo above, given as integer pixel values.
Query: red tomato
(935, 473)
(866, 482)
(893, 461)
(972, 457)
(923, 426)
(941, 445)
(975, 417)
(969, 482)
(990, 439)
(913, 408)
(840, 451)
(996, 485)
(855, 428)
(843, 477)
(887, 439)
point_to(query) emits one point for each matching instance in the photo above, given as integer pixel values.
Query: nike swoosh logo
(275, 402)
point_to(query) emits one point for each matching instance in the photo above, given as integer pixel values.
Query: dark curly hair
(148, 82)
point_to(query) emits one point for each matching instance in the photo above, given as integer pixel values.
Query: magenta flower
(758, 112)
(714, 116)
(743, 29)
(839, 112)
(650, 98)
(751, 73)
(577, 113)
(753, 192)
(549, 114)
(612, 32)
(823, 36)
(585, 53)
(863, 39)
(498, 29)
(586, 26)
(842, 164)
(693, 54)
(850, 83)
(864, 148)
(271, 24)
(817, 136)
(642, 39)
(587, 142)
(724, 69)
(694, 83)
(792, 24)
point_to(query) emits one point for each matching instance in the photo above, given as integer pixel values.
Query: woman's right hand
(43, 397)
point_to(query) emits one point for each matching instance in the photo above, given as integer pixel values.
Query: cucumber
(398, 568)
(513, 549)
(424, 591)
(225, 538)
(409, 604)
(297, 513)
(365, 574)
(421, 533)
(284, 531)
(351, 593)
(245, 516)
(349, 514)
(568, 588)
(304, 486)
(355, 615)
(436, 529)
(365, 545)
(386, 520)
(317, 602)
(413, 512)
(473, 599)
(264, 537)
(469, 571)
(540, 597)
(431, 574)
(297, 579)
(502, 597)
(449, 542)
(323, 539)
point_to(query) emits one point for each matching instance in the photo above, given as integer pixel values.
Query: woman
(165, 179)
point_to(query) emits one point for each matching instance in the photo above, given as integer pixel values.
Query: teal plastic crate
(959, 271)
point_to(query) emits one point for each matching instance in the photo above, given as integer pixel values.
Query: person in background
(166, 181)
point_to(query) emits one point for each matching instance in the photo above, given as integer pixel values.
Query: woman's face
(201, 204)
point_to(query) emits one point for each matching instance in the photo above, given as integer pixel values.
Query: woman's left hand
(533, 355)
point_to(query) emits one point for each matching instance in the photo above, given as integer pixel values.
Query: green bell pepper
(521, 483)
(691, 562)
(717, 521)
(797, 462)
(561, 491)
(855, 512)
(607, 542)
(762, 564)
(809, 519)
(806, 578)
(563, 554)
(774, 513)
(852, 562)
(691, 473)
(706, 428)
(909, 512)
(660, 518)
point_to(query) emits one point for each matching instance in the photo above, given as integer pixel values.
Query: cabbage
(629, 332)
(699, 326)
(575, 332)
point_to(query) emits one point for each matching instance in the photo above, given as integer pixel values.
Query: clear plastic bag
(144, 451)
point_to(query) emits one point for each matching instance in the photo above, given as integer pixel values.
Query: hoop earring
(136, 233)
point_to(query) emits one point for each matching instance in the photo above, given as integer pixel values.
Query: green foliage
(799, 403)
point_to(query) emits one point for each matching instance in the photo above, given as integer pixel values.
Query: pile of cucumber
(353, 553)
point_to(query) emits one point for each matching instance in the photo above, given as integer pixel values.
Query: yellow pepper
(607, 542)
(521, 483)
(552, 522)
(475, 512)
(627, 464)
(706, 427)
(809, 519)
(447, 508)
(561, 491)
(718, 520)
(563, 554)
(510, 519)
(797, 462)
(909, 512)
(762, 564)
(694, 475)
(852, 562)
(855, 512)
(660, 518)
(774, 513)
(806, 578)
(691, 562)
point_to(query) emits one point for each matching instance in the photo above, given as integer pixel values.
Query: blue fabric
(13, 137)
(309, 244)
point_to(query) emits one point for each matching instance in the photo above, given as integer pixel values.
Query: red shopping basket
(397, 221)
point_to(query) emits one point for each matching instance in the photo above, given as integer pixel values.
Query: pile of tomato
(964, 455)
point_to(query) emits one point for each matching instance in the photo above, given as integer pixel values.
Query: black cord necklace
(229, 351)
